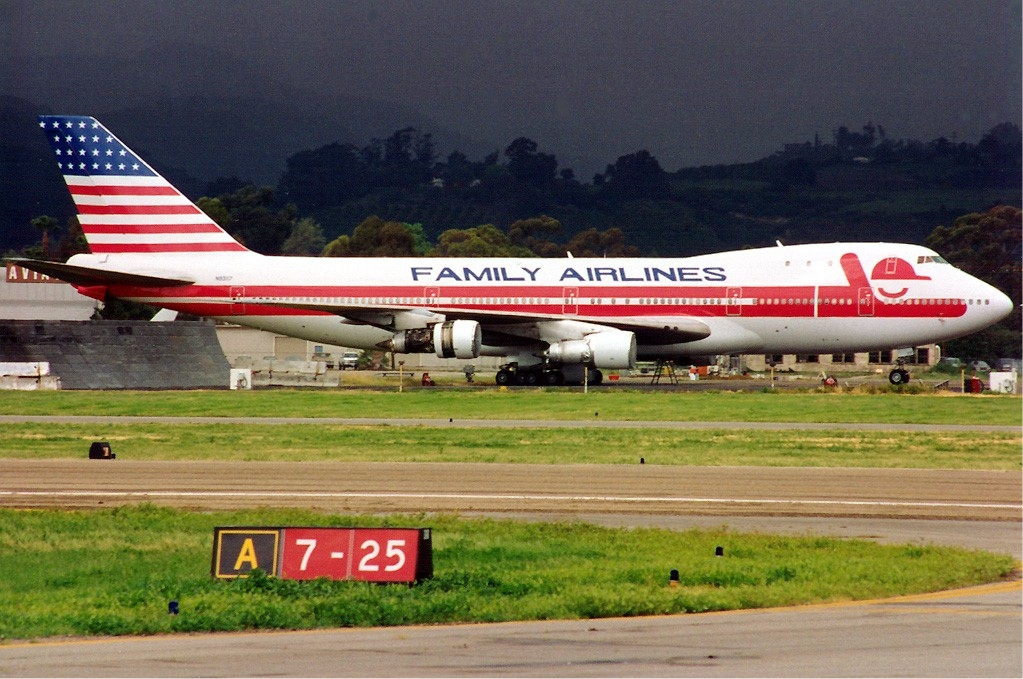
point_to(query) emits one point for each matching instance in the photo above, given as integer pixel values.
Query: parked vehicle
(1008, 365)
(350, 360)
(980, 365)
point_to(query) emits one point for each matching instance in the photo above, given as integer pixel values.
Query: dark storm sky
(694, 82)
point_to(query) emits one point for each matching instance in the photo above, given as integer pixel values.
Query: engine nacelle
(415, 341)
(457, 339)
(611, 349)
(450, 339)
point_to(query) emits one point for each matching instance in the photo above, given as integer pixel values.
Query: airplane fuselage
(794, 299)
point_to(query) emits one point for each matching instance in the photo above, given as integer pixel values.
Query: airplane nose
(1001, 305)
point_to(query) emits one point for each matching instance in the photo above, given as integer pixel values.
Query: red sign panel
(372, 554)
(369, 554)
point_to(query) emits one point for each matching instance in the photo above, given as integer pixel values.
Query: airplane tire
(503, 378)
(898, 376)
(530, 378)
(554, 378)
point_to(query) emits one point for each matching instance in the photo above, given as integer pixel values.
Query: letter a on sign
(247, 556)
(237, 551)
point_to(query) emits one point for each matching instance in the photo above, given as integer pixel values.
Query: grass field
(726, 446)
(112, 571)
(735, 446)
(491, 403)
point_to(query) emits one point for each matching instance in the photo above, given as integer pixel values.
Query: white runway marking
(482, 496)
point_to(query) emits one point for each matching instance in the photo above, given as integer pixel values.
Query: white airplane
(552, 318)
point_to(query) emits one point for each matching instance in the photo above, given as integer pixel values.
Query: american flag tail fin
(124, 205)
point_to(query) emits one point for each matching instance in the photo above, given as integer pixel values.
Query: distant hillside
(857, 188)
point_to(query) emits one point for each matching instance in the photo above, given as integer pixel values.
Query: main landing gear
(541, 375)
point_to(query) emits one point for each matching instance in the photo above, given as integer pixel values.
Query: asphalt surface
(975, 632)
(968, 633)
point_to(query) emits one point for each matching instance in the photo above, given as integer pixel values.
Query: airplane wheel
(554, 378)
(530, 378)
(503, 378)
(898, 376)
(596, 377)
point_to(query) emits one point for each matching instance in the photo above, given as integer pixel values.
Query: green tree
(45, 225)
(637, 176)
(987, 245)
(421, 244)
(376, 238)
(594, 243)
(480, 241)
(73, 241)
(215, 210)
(529, 166)
(324, 177)
(526, 233)
(306, 238)
(250, 214)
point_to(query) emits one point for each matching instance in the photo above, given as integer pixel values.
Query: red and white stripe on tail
(124, 205)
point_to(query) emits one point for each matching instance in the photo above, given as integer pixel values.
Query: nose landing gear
(898, 375)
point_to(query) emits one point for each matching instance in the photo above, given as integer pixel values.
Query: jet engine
(450, 339)
(610, 349)
(457, 339)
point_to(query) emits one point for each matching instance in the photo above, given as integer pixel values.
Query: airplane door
(733, 301)
(570, 305)
(865, 302)
(431, 295)
(237, 301)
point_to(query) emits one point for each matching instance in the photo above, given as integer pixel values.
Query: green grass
(608, 403)
(736, 446)
(113, 572)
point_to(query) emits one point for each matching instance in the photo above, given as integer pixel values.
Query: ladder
(668, 370)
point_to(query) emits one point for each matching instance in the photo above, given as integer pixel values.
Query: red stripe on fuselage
(632, 302)
(104, 248)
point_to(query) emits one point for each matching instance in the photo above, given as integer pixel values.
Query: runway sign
(297, 553)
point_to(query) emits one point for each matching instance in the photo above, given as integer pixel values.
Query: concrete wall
(120, 354)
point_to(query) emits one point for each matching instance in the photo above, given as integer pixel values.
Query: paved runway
(976, 632)
(973, 632)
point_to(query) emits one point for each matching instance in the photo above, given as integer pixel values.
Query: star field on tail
(84, 147)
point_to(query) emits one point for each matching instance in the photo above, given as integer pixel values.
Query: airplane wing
(88, 276)
(504, 323)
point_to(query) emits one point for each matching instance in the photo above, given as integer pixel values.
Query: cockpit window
(926, 259)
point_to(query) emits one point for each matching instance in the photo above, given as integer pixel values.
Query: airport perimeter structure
(117, 354)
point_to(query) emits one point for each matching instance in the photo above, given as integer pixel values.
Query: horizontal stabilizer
(89, 276)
